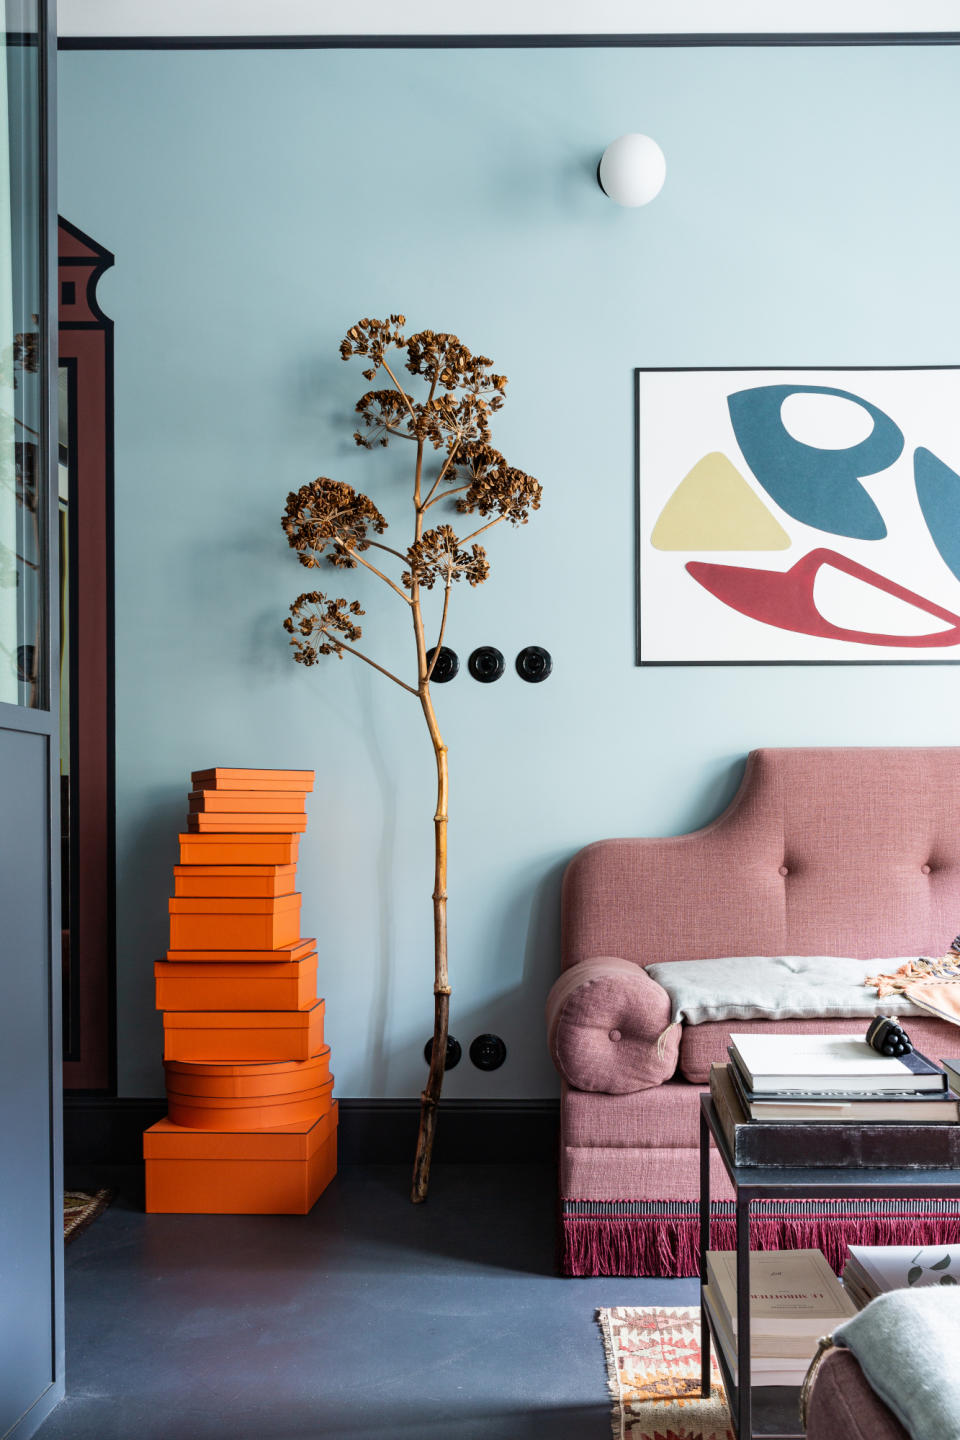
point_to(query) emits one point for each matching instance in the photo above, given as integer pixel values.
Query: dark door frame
(86, 351)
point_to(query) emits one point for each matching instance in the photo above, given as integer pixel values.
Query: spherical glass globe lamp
(632, 170)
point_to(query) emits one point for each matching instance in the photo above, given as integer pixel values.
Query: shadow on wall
(532, 909)
(150, 850)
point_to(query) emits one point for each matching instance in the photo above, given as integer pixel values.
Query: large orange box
(239, 849)
(243, 1035)
(223, 778)
(247, 1112)
(267, 1172)
(234, 923)
(248, 880)
(246, 823)
(247, 802)
(295, 950)
(202, 985)
(226, 1081)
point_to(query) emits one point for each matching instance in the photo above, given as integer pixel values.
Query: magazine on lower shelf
(871, 1270)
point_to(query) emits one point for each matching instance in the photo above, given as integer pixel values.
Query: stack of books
(794, 1299)
(789, 1101)
(252, 1123)
(873, 1269)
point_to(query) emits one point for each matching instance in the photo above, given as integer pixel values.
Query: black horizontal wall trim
(108, 1130)
(493, 42)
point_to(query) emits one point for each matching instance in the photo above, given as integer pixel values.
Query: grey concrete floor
(370, 1318)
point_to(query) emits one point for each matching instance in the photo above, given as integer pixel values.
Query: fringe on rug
(668, 1244)
(614, 1387)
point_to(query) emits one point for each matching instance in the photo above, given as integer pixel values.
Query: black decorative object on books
(888, 1037)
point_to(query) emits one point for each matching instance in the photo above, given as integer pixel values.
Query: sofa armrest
(608, 1027)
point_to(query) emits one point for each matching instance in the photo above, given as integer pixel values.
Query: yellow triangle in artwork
(713, 508)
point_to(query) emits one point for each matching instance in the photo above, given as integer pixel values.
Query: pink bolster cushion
(608, 1026)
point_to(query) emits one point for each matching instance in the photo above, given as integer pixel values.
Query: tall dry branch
(447, 417)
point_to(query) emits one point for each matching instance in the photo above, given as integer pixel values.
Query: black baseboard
(108, 1130)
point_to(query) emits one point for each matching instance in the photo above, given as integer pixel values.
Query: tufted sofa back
(821, 851)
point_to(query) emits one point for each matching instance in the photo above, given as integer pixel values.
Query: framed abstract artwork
(798, 516)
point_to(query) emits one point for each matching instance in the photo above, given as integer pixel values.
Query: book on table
(794, 1299)
(911, 1107)
(831, 1136)
(821, 1065)
(871, 1270)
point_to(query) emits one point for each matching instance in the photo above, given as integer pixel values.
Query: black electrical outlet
(534, 664)
(488, 1052)
(486, 664)
(454, 1052)
(447, 666)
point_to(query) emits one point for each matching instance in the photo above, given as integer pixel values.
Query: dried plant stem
(351, 650)
(430, 1097)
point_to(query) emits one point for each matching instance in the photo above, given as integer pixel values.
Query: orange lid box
(223, 778)
(248, 1112)
(246, 824)
(234, 924)
(239, 849)
(166, 1141)
(234, 904)
(282, 1077)
(241, 1035)
(234, 880)
(293, 950)
(253, 802)
(203, 1172)
(201, 985)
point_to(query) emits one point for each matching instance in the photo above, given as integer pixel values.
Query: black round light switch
(453, 1052)
(486, 664)
(447, 666)
(488, 1052)
(534, 664)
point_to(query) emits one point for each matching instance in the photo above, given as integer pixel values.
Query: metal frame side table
(749, 1184)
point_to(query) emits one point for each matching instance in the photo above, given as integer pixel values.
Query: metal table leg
(744, 1408)
(705, 1376)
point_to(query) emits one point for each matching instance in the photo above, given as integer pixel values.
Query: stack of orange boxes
(251, 1125)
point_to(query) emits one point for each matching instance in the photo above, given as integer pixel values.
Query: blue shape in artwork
(938, 490)
(818, 487)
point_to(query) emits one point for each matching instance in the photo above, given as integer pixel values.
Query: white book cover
(792, 1292)
(827, 1062)
(902, 1267)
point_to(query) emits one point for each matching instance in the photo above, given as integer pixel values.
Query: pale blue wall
(259, 203)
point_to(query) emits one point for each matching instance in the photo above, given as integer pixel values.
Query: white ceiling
(498, 17)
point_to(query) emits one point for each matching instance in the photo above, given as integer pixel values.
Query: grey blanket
(775, 987)
(907, 1343)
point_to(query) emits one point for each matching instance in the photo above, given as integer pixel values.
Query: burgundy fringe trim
(624, 1245)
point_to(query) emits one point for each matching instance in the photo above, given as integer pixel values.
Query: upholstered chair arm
(608, 1027)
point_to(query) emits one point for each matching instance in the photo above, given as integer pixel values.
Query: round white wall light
(632, 170)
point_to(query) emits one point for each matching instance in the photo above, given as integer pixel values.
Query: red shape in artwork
(785, 599)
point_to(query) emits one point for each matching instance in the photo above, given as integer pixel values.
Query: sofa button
(614, 1034)
(784, 870)
(924, 869)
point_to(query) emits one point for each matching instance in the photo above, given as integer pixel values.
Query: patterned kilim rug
(80, 1208)
(653, 1370)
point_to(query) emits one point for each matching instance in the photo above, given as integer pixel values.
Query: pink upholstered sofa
(850, 852)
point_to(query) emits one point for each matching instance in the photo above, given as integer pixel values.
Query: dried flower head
(438, 556)
(496, 488)
(319, 626)
(329, 517)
